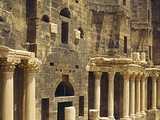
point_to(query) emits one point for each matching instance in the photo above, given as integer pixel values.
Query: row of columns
(134, 94)
(7, 69)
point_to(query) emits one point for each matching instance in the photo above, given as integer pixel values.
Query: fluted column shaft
(111, 94)
(97, 90)
(30, 69)
(143, 101)
(7, 72)
(154, 94)
(138, 99)
(30, 96)
(126, 96)
(132, 99)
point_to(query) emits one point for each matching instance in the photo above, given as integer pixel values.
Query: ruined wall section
(13, 23)
(110, 23)
(156, 31)
(141, 30)
(60, 59)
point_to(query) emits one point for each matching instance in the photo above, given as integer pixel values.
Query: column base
(126, 118)
(143, 113)
(139, 116)
(111, 118)
(104, 118)
(93, 114)
(133, 116)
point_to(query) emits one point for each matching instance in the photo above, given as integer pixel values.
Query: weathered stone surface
(110, 28)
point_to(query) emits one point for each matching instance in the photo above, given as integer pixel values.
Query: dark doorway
(61, 109)
(91, 84)
(18, 93)
(45, 109)
(104, 95)
(118, 95)
(149, 93)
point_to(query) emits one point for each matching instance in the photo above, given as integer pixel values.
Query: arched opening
(104, 95)
(45, 18)
(65, 12)
(149, 93)
(64, 89)
(118, 95)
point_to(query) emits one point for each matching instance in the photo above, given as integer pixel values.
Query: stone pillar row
(134, 95)
(7, 79)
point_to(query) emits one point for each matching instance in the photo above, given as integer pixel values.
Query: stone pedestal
(104, 118)
(70, 113)
(93, 114)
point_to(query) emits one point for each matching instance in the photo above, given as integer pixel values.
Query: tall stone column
(111, 95)
(126, 96)
(143, 92)
(30, 68)
(138, 99)
(97, 91)
(132, 99)
(7, 72)
(154, 93)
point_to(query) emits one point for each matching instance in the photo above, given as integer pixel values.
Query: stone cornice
(25, 59)
(109, 8)
(6, 52)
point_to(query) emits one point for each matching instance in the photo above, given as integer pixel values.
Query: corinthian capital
(8, 64)
(31, 65)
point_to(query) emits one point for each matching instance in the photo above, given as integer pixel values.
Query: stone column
(143, 92)
(158, 93)
(30, 68)
(7, 72)
(154, 93)
(70, 113)
(111, 95)
(97, 91)
(132, 99)
(138, 99)
(126, 96)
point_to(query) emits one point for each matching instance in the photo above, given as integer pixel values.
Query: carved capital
(8, 64)
(31, 65)
(98, 75)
